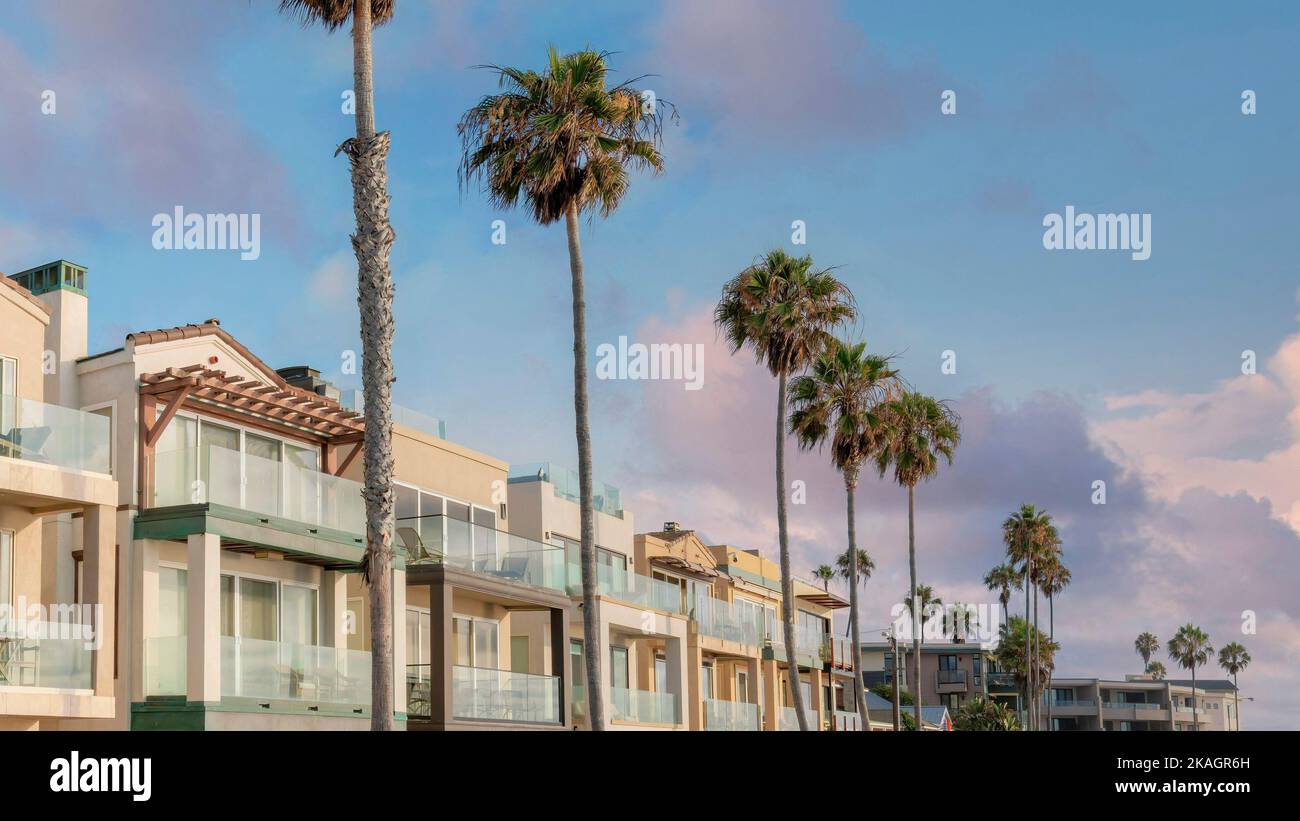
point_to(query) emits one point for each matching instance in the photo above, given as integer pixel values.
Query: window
(618, 669)
(6, 567)
(706, 679)
(8, 402)
(661, 674)
(171, 601)
(742, 686)
(519, 654)
(476, 642)
(947, 663)
(978, 662)
(418, 647)
(577, 664)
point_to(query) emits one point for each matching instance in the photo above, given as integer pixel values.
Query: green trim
(176, 713)
(249, 527)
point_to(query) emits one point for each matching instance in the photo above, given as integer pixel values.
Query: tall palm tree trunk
(859, 692)
(1029, 668)
(1037, 654)
(1236, 702)
(1196, 721)
(787, 583)
(591, 638)
(1051, 636)
(916, 607)
(372, 243)
(898, 668)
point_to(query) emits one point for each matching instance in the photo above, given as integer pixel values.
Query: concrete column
(334, 609)
(560, 662)
(754, 685)
(694, 701)
(771, 695)
(399, 640)
(100, 577)
(144, 609)
(203, 619)
(442, 652)
(819, 707)
(675, 653)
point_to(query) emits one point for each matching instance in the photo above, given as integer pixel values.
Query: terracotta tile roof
(209, 327)
(28, 295)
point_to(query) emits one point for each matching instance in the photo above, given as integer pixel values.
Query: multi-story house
(952, 673)
(58, 513)
(1139, 703)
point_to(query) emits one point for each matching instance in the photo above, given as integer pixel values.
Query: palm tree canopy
(1010, 653)
(1190, 647)
(1029, 534)
(783, 309)
(1146, 646)
(865, 566)
(1054, 576)
(926, 594)
(922, 431)
(560, 137)
(332, 14)
(841, 399)
(1003, 579)
(825, 573)
(1156, 670)
(1233, 658)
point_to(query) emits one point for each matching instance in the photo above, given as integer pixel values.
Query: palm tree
(1146, 646)
(922, 431)
(840, 400)
(562, 142)
(1003, 579)
(1055, 578)
(1013, 656)
(785, 311)
(928, 602)
(1233, 658)
(1031, 539)
(1156, 670)
(367, 155)
(825, 573)
(985, 715)
(1190, 647)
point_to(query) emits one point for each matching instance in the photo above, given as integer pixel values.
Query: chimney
(671, 527)
(61, 285)
(302, 376)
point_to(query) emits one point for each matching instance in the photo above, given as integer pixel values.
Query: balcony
(809, 644)
(48, 663)
(476, 548)
(788, 720)
(644, 707)
(1002, 682)
(267, 671)
(730, 715)
(630, 587)
(842, 720)
(265, 487)
(951, 681)
(607, 499)
(479, 694)
(838, 652)
(32, 431)
(723, 621)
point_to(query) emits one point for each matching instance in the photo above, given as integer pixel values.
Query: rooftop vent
(671, 527)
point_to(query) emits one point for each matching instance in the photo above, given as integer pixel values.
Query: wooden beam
(156, 430)
(347, 460)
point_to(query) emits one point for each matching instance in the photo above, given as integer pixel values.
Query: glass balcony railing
(502, 695)
(953, 677)
(630, 587)
(418, 695)
(606, 499)
(240, 480)
(355, 400)
(1072, 702)
(644, 706)
(808, 643)
(579, 701)
(1145, 705)
(273, 670)
(164, 666)
(839, 651)
(446, 540)
(729, 715)
(59, 663)
(788, 721)
(54, 435)
(725, 621)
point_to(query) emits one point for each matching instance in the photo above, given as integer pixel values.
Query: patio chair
(415, 549)
(514, 568)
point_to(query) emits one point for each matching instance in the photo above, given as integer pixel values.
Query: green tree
(922, 433)
(563, 143)
(985, 715)
(1146, 646)
(1003, 579)
(1156, 670)
(1190, 647)
(824, 573)
(1013, 656)
(1233, 658)
(1055, 577)
(367, 155)
(840, 401)
(1031, 541)
(785, 311)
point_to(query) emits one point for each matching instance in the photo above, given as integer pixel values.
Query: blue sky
(829, 113)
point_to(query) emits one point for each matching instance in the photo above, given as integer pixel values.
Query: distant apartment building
(1139, 703)
(952, 673)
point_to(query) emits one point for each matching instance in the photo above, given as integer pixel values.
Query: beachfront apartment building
(952, 673)
(58, 513)
(1139, 703)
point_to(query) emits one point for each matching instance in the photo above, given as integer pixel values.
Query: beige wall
(24, 339)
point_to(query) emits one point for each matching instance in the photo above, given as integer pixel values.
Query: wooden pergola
(277, 407)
